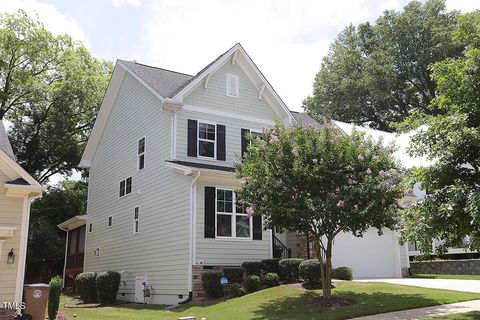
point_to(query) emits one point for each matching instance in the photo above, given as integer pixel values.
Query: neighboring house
(17, 190)
(74, 248)
(161, 202)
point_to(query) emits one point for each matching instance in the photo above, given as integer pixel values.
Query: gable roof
(170, 87)
(4, 142)
(165, 82)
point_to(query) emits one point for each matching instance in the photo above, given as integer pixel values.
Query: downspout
(65, 259)
(192, 234)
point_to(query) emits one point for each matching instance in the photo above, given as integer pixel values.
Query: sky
(286, 38)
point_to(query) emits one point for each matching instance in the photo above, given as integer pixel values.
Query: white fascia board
(108, 100)
(73, 223)
(13, 169)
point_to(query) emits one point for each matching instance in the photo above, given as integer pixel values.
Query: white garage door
(372, 256)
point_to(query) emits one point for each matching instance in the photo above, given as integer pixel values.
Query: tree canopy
(378, 74)
(50, 90)
(449, 135)
(319, 182)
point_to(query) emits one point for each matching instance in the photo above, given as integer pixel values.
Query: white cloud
(463, 5)
(54, 20)
(119, 3)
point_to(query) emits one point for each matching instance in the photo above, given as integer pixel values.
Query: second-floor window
(135, 220)
(125, 187)
(206, 140)
(141, 154)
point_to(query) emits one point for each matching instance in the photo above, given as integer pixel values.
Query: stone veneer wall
(302, 249)
(6, 314)
(197, 287)
(468, 266)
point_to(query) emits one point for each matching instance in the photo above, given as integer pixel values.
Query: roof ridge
(159, 68)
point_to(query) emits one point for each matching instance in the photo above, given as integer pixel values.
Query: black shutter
(209, 212)
(244, 141)
(221, 144)
(257, 227)
(192, 138)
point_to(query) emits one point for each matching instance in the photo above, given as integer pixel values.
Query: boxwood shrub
(251, 283)
(253, 268)
(289, 269)
(310, 271)
(342, 273)
(236, 289)
(107, 286)
(233, 274)
(271, 279)
(86, 286)
(211, 284)
(271, 265)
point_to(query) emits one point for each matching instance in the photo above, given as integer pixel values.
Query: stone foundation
(197, 287)
(303, 247)
(405, 272)
(6, 314)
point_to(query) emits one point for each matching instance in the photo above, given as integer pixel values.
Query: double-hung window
(135, 220)
(231, 220)
(141, 154)
(125, 187)
(206, 140)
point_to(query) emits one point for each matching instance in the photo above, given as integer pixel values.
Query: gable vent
(232, 85)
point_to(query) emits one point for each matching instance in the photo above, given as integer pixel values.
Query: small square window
(110, 221)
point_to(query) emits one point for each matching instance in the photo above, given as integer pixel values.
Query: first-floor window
(232, 221)
(125, 187)
(135, 220)
(90, 227)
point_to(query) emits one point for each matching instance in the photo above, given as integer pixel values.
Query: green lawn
(288, 303)
(460, 316)
(448, 276)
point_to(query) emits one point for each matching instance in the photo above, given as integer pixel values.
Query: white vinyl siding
(10, 216)
(160, 249)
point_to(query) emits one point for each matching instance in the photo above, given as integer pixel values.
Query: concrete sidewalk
(421, 313)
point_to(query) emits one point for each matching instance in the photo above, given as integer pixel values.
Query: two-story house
(161, 201)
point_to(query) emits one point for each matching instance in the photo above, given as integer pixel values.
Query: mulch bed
(307, 286)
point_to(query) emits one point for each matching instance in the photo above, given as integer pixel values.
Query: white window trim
(233, 220)
(141, 154)
(136, 221)
(214, 141)
(235, 78)
(126, 194)
(108, 222)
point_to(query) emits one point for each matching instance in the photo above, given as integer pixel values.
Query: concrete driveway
(446, 284)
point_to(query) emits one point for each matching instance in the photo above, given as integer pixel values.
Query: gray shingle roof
(167, 83)
(304, 119)
(4, 142)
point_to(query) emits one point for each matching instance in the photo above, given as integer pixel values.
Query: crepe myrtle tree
(315, 180)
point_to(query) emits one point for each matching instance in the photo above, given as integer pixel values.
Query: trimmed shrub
(55, 290)
(271, 280)
(289, 269)
(236, 289)
(253, 268)
(107, 286)
(211, 284)
(234, 275)
(271, 265)
(86, 286)
(342, 273)
(251, 283)
(309, 271)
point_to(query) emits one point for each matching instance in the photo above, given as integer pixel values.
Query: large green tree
(319, 182)
(50, 90)
(450, 138)
(46, 242)
(378, 74)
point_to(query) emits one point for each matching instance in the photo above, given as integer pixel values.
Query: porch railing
(280, 250)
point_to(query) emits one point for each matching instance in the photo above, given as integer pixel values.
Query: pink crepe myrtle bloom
(361, 157)
(355, 206)
(295, 151)
(250, 211)
(382, 173)
(375, 158)
(315, 161)
(273, 138)
(369, 171)
(333, 195)
(341, 204)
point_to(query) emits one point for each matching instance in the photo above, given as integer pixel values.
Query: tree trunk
(328, 269)
(325, 269)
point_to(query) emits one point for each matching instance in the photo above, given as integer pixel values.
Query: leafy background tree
(50, 90)
(449, 135)
(378, 74)
(318, 182)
